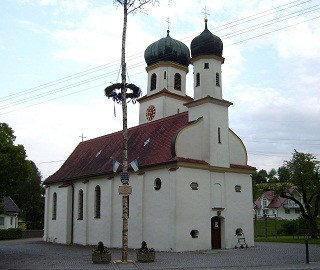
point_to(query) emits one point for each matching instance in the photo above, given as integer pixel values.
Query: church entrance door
(215, 233)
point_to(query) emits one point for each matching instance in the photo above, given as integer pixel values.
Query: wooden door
(215, 233)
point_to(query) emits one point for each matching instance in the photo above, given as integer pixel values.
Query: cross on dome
(205, 12)
(168, 21)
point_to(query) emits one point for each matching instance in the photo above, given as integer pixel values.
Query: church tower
(208, 104)
(206, 50)
(167, 66)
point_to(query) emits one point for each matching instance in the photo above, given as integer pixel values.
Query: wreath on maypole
(114, 91)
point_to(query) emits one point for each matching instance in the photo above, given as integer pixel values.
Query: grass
(286, 239)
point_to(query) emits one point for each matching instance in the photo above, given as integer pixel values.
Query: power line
(103, 76)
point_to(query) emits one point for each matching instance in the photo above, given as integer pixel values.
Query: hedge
(11, 234)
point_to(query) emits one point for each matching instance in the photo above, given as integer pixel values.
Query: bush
(10, 234)
(289, 227)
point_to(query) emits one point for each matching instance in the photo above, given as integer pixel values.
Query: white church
(193, 188)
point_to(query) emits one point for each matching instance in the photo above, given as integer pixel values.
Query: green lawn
(286, 239)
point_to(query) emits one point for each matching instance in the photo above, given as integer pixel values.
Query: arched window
(54, 206)
(153, 81)
(97, 202)
(198, 79)
(80, 205)
(157, 184)
(217, 79)
(177, 81)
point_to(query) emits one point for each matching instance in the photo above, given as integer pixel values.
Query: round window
(157, 184)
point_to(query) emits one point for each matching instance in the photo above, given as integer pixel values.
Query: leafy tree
(260, 176)
(14, 168)
(272, 178)
(30, 199)
(302, 171)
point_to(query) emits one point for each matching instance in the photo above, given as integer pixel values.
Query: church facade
(193, 188)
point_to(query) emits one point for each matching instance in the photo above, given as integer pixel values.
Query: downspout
(72, 212)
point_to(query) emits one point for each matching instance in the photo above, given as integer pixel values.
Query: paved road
(36, 254)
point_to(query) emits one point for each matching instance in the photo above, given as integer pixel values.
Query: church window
(198, 79)
(217, 79)
(206, 65)
(54, 206)
(153, 81)
(177, 81)
(97, 202)
(194, 186)
(80, 205)
(157, 184)
(219, 135)
(194, 233)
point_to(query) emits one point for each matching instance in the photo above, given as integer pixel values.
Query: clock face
(150, 112)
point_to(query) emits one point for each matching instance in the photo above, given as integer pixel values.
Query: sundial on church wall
(150, 112)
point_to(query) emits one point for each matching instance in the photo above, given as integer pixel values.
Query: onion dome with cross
(206, 44)
(167, 49)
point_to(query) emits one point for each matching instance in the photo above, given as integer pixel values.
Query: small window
(194, 186)
(153, 81)
(1, 221)
(157, 184)
(206, 65)
(198, 79)
(217, 79)
(237, 188)
(80, 205)
(287, 211)
(54, 206)
(194, 233)
(219, 135)
(11, 221)
(97, 202)
(177, 81)
(165, 75)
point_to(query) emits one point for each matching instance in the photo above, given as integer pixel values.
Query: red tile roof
(275, 200)
(149, 143)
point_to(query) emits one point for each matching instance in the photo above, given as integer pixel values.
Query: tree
(129, 6)
(14, 168)
(302, 171)
(30, 199)
(272, 176)
(260, 176)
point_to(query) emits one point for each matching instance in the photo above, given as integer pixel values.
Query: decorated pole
(125, 198)
(129, 6)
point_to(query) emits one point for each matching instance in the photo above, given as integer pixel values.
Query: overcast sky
(58, 56)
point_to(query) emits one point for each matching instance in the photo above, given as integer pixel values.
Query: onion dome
(167, 49)
(206, 44)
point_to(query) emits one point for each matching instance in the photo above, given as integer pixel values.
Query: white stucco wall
(9, 221)
(163, 218)
(238, 152)
(207, 85)
(59, 229)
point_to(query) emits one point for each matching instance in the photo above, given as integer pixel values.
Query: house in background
(274, 206)
(9, 218)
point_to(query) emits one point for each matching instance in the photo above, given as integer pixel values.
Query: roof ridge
(136, 127)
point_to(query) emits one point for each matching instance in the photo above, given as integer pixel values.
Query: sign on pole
(124, 178)
(125, 190)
